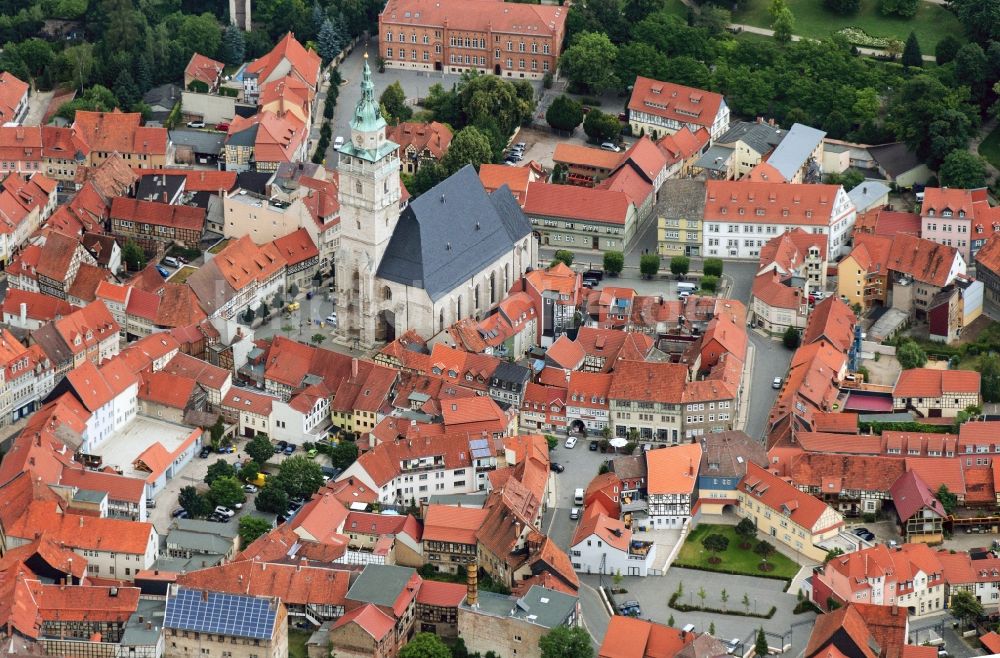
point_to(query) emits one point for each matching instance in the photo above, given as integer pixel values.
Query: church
(449, 254)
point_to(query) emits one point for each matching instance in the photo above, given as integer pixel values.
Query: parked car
(864, 533)
(222, 127)
(338, 142)
(776, 383)
(733, 645)
(574, 513)
(196, 124)
(608, 146)
(520, 145)
(225, 450)
(312, 453)
(150, 503)
(250, 488)
(570, 442)
(332, 319)
(630, 609)
(278, 449)
(589, 283)
(290, 448)
(557, 467)
(205, 452)
(282, 444)
(597, 275)
(594, 445)
(222, 510)
(164, 272)
(179, 513)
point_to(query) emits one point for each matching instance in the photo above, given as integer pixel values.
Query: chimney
(204, 595)
(354, 368)
(149, 625)
(472, 584)
(24, 312)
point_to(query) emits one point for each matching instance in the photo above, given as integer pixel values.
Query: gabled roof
(933, 383)
(668, 100)
(643, 381)
(118, 131)
(988, 256)
(772, 491)
(304, 63)
(12, 91)
(910, 495)
(204, 68)
(532, 20)
(386, 586)
(458, 525)
(433, 136)
(566, 353)
(937, 200)
(293, 584)
(369, 618)
(604, 206)
(779, 203)
(673, 470)
(924, 260)
(831, 320)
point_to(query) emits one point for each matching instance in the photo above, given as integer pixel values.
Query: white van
(171, 261)
(578, 496)
(685, 286)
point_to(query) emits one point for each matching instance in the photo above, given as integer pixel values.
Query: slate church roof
(451, 233)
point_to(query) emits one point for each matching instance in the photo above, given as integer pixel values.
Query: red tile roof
(118, 487)
(629, 637)
(924, 260)
(43, 308)
(434, 137)
(932, 383)
(369, 618)
(117, 131)
(12, 92)
(441, 595)
(581, 203)
(938, 199)
(683, 144)
(84, 603)
(158, 214)
(674, 469)
(685, 105)
(296, 247)
(566, 353)
(495, 176)
(453, 524)
(82, 532)
(293, 584)
(803, 509)
(197, 180)
(18, 143)
(988, 255)
(204, 68)
(242, 400)
(304, 63)
(781, 203)
(642, 381)
(532, 20)
(833, 320)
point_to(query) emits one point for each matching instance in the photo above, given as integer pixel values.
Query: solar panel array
(480, 448)
(221, 614)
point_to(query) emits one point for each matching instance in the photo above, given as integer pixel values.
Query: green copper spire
(367, 116)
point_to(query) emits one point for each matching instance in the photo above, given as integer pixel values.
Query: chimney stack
(24, 313)
(354, 368)
(472, 584)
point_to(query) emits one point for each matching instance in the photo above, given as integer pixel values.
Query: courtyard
(160, 444)
(734, 559)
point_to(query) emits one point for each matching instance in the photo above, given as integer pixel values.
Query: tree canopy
(425, 645)
(566, 642)
(252, 527)
(963, 169)
(299, 476)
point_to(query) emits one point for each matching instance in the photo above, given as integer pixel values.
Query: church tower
(369, 209)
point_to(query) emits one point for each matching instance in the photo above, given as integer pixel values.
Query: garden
(931, 23)
(735, 550)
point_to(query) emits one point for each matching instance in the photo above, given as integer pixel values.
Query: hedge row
(682, 607)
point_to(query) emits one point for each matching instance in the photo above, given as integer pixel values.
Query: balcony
(638, 550)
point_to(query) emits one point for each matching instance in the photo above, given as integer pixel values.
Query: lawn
(931, 23)
(694, 555)
(990, 147)
(297, 643)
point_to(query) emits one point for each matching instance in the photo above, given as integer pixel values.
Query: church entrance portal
(385, 327)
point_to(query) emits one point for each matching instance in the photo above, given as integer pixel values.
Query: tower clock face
(357, 140)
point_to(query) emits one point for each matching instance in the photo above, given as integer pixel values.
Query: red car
(222, 127)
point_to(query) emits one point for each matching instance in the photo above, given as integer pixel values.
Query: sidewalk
(745, 381)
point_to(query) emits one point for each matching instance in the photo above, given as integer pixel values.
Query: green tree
(981, 18)
(910, 355)
(233, 45)
(760, 646)
(393, 99)
(564, 114)
(589, 62)
(649, 265)
(746, 602)
(566, 642)
(686, 70)
(949, 501)
(564, 256)
(260, 449)
(602, 127)
(299, 476)
(194, 503)
(843, 7)
(848, 180)
(252, 527)
(791, 338)
(220, 469)
(249, 471)
(328, 41)
(428, 175)
(711, 628)
(724, 595)
(709, 283)
(133, 255)
(317, 338)
(714, 19)
(965, 607)
(343, 454)
(830, 554)
(425, 645)
(747, 531)
(272, 498)
(702, 594)
(712, 266)
(469, 146)
(972, 69)
(614, 262)
(680, 266)
(227, 491)
(933, 129)
(715, 543)
(637, 58)
(911, 52)
(989, 371)
(901, 8)
(200, 33)
(764, 549)
(963, 169)
(782, 21)
(946, 49)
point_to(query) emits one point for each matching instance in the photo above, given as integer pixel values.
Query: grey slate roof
(451, 232)
(205, 142)
(540, 606)
(895, 158)
(380, 584)
(681, 198)
(245, 137)
(152, 187)
(210, 287)
(715, 158)
(794, 150)
(761, 137)
(229, 530)
(511, 373)
(867, 193)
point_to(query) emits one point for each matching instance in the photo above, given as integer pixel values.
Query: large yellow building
(799, 521)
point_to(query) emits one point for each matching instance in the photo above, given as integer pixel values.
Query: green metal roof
(367, 115)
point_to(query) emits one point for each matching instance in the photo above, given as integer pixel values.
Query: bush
(709, 283)
(791, 338)
(614, 262)
(564, 256)
(859, 37)
(649, 265)
(680, 266)
(683, 607)
(712, 267)
(547, 80)
(910, 355)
